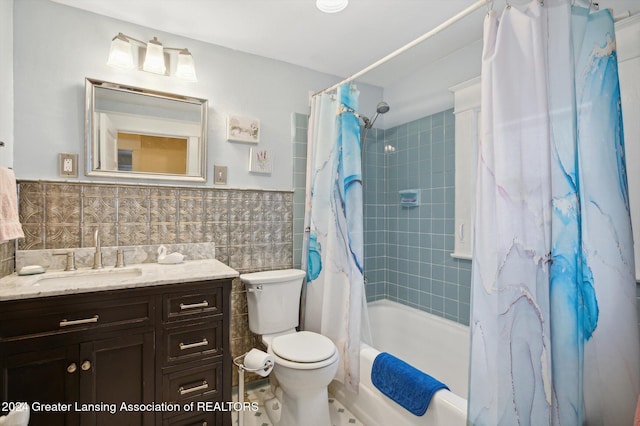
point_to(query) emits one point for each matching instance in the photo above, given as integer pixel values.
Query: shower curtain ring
(489, 4)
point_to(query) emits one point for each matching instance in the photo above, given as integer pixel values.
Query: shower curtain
(333, 247)
(554, 335)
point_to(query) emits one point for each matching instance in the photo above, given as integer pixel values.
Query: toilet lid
(304, 346)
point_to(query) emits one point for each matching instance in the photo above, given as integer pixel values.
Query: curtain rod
(408, 46)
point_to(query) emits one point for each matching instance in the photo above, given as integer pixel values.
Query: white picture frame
(260, 161)
(243, 129)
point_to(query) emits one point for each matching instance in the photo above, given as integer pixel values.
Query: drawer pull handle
(203, 304)
(184, 346)
(66, 323)
(86, 365)
(203, 386)
(71, 368)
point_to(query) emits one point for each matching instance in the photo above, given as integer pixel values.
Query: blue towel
(403, 383)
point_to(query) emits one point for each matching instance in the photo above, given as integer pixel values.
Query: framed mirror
(132, 132)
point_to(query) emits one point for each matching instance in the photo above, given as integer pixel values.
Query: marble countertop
(85, 280)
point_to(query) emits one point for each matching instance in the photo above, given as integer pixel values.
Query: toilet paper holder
(239, 362)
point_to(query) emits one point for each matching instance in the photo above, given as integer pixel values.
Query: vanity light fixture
(155, 56)
(185, 69)
(121, 54)
(331, 6)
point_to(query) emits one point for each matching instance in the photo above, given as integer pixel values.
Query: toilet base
(308, 408)
(311, 409)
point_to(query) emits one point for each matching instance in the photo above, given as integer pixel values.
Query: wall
(420, 93)
(7, 249)
(406, 249)
(299, 128)
(6, 83)
(57, 47)
(410, 260)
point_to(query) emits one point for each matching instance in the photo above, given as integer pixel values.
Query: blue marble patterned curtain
(554, 327)
(333, 250)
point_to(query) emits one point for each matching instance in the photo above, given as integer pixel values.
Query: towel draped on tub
(403, 383)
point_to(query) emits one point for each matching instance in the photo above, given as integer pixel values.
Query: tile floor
(340, 416)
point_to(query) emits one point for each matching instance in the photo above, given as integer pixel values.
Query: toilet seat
(303, 350)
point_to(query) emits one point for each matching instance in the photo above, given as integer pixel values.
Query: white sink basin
(90, 276)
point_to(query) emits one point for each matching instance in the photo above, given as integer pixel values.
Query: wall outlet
(219, 175)
(68, 165)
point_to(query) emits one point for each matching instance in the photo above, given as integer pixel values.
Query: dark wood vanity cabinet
(194, 357)
(87, 354)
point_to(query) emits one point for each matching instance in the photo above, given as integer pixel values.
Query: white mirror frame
(197, 157)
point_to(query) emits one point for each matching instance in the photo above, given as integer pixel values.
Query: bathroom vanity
(127, 348)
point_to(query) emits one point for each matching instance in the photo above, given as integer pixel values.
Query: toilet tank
(273, 299)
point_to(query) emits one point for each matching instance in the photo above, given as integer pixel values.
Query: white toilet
(305, 362)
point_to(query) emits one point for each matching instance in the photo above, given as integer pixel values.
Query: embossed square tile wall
(7, 258)
(99, 212)
(252, 229)
(32, 215)
(133, 216)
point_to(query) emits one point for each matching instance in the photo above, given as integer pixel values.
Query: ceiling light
(331, 6)
(155, 57)
(120, 54)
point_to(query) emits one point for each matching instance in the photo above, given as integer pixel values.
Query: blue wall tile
(406, 249)
(415, 268)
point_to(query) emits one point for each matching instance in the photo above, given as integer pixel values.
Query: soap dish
(31, 270)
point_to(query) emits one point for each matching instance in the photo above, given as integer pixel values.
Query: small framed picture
(243, 129)
(260, 161)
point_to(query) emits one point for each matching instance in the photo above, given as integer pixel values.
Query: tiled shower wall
(414, 249)
(406, 249)
(252, 229)
(299, 126)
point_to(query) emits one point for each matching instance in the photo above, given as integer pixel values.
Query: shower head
(381, 108)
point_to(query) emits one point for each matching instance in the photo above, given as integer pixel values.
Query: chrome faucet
(97, 256)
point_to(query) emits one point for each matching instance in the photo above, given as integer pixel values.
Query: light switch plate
(219, 175)
(68, 165)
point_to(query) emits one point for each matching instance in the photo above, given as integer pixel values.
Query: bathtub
(437, 346)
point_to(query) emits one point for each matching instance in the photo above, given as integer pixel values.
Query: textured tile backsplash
(252, 230)
(7, 254)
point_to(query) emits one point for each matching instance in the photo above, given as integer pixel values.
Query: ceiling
(294, 31)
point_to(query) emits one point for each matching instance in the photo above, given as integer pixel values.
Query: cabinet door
(115, 371)
(47, 376)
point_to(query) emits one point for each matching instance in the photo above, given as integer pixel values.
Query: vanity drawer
(193, 342)
(42, 317)
(203, 383)
(193, 304)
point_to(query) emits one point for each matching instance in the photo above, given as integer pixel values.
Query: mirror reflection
(134, 132)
